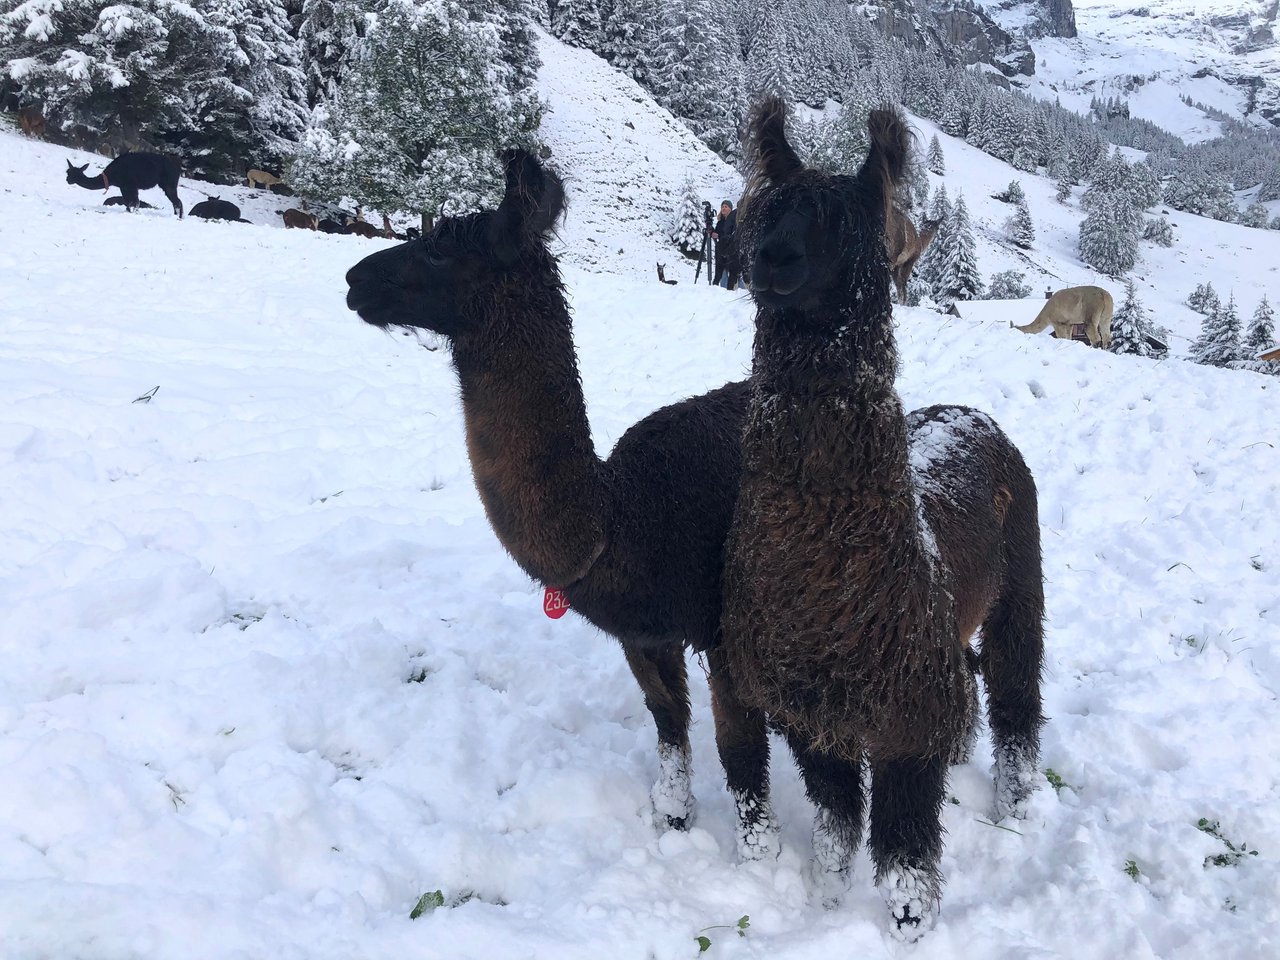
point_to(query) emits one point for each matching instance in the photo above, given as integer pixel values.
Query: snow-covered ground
(269, 678)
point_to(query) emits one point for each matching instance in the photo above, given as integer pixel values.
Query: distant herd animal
(1090, 307)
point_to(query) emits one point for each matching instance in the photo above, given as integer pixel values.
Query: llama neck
(825, 398)
(89, 183)
(527, 431)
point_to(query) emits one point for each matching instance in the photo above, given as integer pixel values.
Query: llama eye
(437, 258)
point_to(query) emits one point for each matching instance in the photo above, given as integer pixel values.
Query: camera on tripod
(707, 213)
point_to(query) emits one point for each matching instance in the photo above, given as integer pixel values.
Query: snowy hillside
(1224, 53)
(269, 678)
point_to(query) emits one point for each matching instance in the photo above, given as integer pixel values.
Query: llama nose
(778, 253)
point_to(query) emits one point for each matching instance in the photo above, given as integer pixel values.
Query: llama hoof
(827, 887)
(1015, 782)
(671, 795)
(911, 894)
(757, 828)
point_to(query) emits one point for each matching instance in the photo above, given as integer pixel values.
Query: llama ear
(533, 202)
(769, 155)
(890, 149)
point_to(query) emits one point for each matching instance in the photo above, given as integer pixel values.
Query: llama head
(74, 172)
(808, 239)
(442, 281)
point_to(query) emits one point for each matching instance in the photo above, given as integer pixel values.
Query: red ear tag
(554, 603)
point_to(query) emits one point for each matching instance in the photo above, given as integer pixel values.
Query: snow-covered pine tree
(1013, 193)
(577, 23)
(940, 210)
(428, 65)
(269, 69)
(936, 162)
(769, 66)
(1021, 230)
(957, 276)
(1204, 299)
(122, 76)
(1261, 334)
(1130, 326)
(1109, 234)
(690, 73)
(954, 120)
(1219, 342)
(1063, 193)
(328, 33)
(1255, 215)
(1270, 189)
(1159, 231)
(630, 37)
(919, 184)
(1008, 285)
(688, 224)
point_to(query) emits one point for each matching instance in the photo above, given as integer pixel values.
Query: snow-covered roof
(998, 312)
(1271, 353)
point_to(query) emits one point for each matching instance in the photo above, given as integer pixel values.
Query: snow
(269, 677)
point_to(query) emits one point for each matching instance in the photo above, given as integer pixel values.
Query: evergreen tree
(1270, 184)
(1021, 230)
(937, 164)
(1159, 231)
(1262, 330)
(940, 210)
(328, 32)
(1013, 193)
(919, 185)
(1063, 193)
(130, 77)
(690, 76)
(954, 120)
(577, 23)
(1255, 215)
(1204, 299)
(1130, 326)
(688, 225)
(1109, 234)
(957, 276)
(419, 118)
(1008, 285)
(630, 37)
(1219, 342)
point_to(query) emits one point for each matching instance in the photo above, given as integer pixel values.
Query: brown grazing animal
(867, 545)
(364, 229)
(905, 246)
(1091, 306)
(295, 219)
(31, 121)
(132, 172)
(260, 178)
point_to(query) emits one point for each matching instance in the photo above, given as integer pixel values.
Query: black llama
(132, 172)
(868, 546)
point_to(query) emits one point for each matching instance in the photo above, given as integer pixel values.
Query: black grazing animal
(132, 172)
(216, 208)
(281, 189)
(637, 541)
(868, 546)
(120, 202)
(328, 225)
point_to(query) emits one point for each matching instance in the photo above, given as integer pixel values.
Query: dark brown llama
(634, 541)
(867, 545)
(905, 247)
(132, 172)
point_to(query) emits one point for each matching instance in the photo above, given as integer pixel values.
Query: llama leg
(660, 671)
(1012, 647)
(834, 785)
(130, 199)
(906, 839)
(744, 752)
(172, 194)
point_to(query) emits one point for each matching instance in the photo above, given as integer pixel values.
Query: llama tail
(1036, 325)
(1013, 648)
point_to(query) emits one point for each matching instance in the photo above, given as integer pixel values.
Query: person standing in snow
(727, 268)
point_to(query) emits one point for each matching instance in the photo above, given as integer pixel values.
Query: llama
(260, 178)
(635, 542)
(1090, 306)
(31, 121)
(329, 225)
(906, 245)
(299, 219)
(215, 208)
(132, 172)
(362, 228)
(867, 546)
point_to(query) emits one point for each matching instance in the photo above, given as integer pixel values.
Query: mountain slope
(270, 678)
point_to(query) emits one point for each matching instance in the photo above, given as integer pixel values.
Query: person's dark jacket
(726, 243)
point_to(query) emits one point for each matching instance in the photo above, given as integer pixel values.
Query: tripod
(704, 255)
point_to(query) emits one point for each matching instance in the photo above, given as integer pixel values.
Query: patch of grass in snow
(704, 942)
(1235, 852)
(435, 899)
(1056, 781)
(1131, 868)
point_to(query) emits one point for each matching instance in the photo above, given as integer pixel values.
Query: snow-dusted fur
(132, 172)
(868, 546)
(1089, 305)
